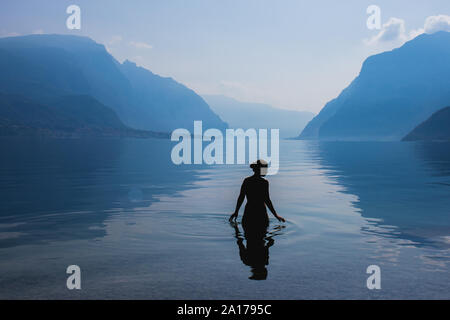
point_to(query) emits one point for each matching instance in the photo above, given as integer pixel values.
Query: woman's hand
(280, 218)
(233, 217)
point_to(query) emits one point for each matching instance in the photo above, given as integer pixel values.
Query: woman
(255, 220)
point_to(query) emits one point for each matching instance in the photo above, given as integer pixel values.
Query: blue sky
(289, 53)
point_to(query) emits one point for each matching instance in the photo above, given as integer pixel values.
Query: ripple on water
(216, 227)
(141, 230)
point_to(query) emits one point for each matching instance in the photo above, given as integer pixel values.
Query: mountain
(437, 127)
(394, 92)
(259, 116)
(43, 67)
(165, 103)
(65, 116)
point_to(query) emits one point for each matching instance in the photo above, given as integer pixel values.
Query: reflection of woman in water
(255, 221)
(255, 254)
(256, 189)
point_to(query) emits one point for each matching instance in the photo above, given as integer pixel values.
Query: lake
(140, 227)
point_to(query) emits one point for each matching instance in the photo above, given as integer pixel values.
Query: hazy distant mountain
(43, 67)
(437, 127)
(257, 115)
(66, 116)
(394, 92)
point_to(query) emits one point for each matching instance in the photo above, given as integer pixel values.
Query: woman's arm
(269, 204)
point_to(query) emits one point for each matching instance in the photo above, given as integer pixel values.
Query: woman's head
(259, 167)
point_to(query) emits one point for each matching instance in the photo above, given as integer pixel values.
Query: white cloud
(415, 33)
(39, 31)
(433, 24)
(437, 23)
(141, 45)
(394, 32)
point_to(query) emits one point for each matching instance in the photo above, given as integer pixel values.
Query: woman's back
(256, 190)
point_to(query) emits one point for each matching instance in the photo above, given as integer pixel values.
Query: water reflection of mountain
(63, 189)
(436, 155)
(405, 185)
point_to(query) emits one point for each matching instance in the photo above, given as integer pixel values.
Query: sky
(291, 54)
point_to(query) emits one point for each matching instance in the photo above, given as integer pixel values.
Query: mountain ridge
(435, 128)
(393, 93)
(43, 67)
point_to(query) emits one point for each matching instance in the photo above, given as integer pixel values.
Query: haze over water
(140, 227)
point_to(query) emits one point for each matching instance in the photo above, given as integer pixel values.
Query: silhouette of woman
(256, 190)
(255, 221)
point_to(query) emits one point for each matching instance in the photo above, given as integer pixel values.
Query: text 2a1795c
(248, 309)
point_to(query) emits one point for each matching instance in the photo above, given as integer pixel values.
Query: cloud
(432, 24)
(39, 31)
(141, 45)
(437, 23)
(392, 31)
(415, 33)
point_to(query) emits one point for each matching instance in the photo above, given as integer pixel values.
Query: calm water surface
(140, 227)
